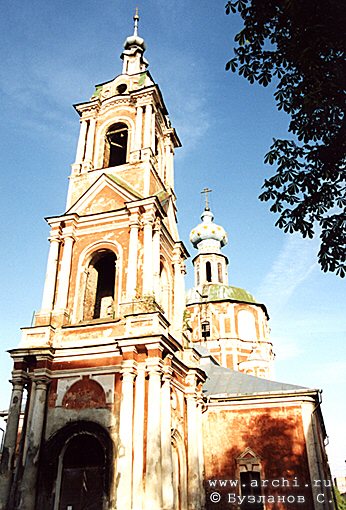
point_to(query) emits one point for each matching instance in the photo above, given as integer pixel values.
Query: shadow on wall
(279, 445)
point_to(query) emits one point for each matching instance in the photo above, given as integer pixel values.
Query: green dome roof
(217, 292)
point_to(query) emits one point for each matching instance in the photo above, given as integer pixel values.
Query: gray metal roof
(223, 381)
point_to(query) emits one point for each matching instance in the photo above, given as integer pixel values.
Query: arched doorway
(82, 474)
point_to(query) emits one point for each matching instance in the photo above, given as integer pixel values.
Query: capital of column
(128, 369)
(54, 238)
(167, 373)
(157, 224)
(148, 217)
(41, 382)
(19, 377)
(154, 367)
(68, 237)
(134, 220)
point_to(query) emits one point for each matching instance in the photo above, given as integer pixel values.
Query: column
(10, 441)
(193, 481)
(200, 405)
(124, 463)
(166, 441)
(147, 125)
(65, 272)
(169, 164)
(153, 493)
(28, 485)
(131, 282)
(148, 219)
(139, 126)
(179, 292)
(156, 259)
(152, 144)
(81, 142)
(89, 150)
(50, 281)
(138, 439)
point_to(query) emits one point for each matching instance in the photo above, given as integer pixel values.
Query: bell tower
(118, 239)
(106, 365)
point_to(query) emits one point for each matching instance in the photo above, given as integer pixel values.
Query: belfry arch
(99, 292)
(116, 145)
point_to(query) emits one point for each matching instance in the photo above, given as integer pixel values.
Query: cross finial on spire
(206, 191)
(135, 19)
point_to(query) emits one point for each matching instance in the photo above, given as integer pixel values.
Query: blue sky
(53, 54)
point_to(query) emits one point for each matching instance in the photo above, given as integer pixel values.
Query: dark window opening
(250, 482)
(100, 286)
(121, 89)
(83, 474)
(208, 271)
(116, 145)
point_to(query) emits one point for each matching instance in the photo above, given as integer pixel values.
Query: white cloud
(294, 264)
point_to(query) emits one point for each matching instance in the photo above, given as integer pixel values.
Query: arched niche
(246, 325)
(85, 394)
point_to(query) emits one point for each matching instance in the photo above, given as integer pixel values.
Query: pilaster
(148, 220)
(153, 475)
(51, 274)
(166, 440)
(28, 486)
(138, 439)
(125, 448)
(65, 269)
(193, 448)
(89, 149)
(131, 282)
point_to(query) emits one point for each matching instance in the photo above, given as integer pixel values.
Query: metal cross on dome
(206, 191)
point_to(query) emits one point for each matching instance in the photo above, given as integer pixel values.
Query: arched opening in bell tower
(116, 142)
(100, 286)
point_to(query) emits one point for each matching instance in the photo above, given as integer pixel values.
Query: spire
(136, 20)
(134, 47)
(134, 41)
(206, 191)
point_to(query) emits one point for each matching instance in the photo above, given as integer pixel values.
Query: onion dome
(208, 236)
(135, 40)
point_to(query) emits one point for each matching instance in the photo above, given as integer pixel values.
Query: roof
(218, 292)
(224, 381)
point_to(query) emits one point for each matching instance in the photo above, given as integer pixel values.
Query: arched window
(100, 286)
(208, 271)
(116, 145)
(249, 468)
(219, 272)
(83, 474)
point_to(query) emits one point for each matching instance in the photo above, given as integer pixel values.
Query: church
(127, 392)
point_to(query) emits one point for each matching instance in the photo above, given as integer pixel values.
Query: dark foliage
(300, 45)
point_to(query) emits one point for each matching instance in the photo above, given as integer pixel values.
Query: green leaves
(301, 46)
